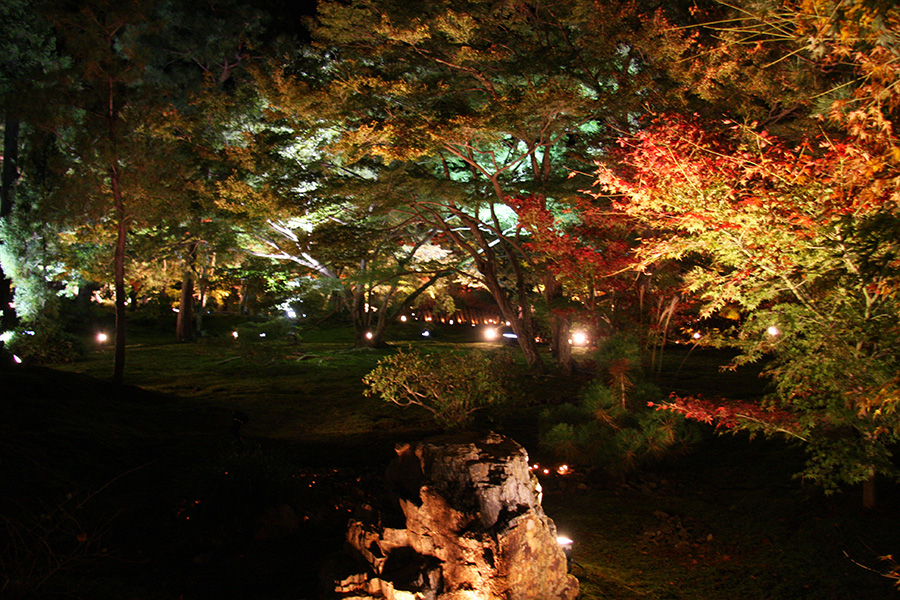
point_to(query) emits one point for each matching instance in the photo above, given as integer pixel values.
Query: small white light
(29, 332)
(490, 333)
(17, 359)
(102, 337)
(291, 314)
(234, 334)
(579, 338)
(565, 544)
(426, 333)
(263, 334)
(772, 330)
(403, 318)
(368, 335)
(696, 335)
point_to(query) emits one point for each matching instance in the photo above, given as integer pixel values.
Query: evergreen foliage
(613, 428)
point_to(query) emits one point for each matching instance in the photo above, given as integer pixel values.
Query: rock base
(474, 529)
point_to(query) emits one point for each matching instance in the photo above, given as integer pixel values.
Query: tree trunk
(183, 324)
(8, 179)
(869, 492)
(119, 275)
(356, 306)
(202, 288)
(559, 326)
(244, 305)
(520, 319)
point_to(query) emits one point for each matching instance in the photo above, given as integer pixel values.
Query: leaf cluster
(452, 387)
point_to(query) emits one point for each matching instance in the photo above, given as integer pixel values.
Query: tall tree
(785, 233)
(105, 85)
(463, 107)
(27, 56)
(797, 230)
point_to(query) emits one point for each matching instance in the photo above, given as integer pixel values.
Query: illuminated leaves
(803, 242)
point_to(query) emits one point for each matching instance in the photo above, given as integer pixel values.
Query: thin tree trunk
(183, 330)
(520, 319)
(8, 179)
(869, 492)
(119, 275)
(559, 326)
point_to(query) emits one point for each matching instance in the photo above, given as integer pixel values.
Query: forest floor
(154, 491)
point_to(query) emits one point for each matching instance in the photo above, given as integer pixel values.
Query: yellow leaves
(895, 154)
(413, 34)
(880, 407)
(239, 196)
(459, 27)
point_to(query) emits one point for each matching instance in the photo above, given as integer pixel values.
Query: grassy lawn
(145, 491)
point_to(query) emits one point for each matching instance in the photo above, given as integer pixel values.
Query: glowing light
(102, 337)
(6, 336)
(562, 469)
(17, 359)
(546, 471)
(234, 334)
(772, 330)
(291, 314)
(403, 319)
(451, 322)
(426, 333)
(697, 335)
(263, 334)
(369, 335)
(579, 338)
(29, 332)
(490, 333)
(565, 544)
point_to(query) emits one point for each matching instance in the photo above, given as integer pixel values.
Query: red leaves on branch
(731, 414)
(798, 184)
(593, 245)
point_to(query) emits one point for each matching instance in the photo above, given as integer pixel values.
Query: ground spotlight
(565, 545)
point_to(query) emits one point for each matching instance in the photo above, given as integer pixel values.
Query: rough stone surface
(475, 529)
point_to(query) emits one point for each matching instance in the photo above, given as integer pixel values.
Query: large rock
(475, 529)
